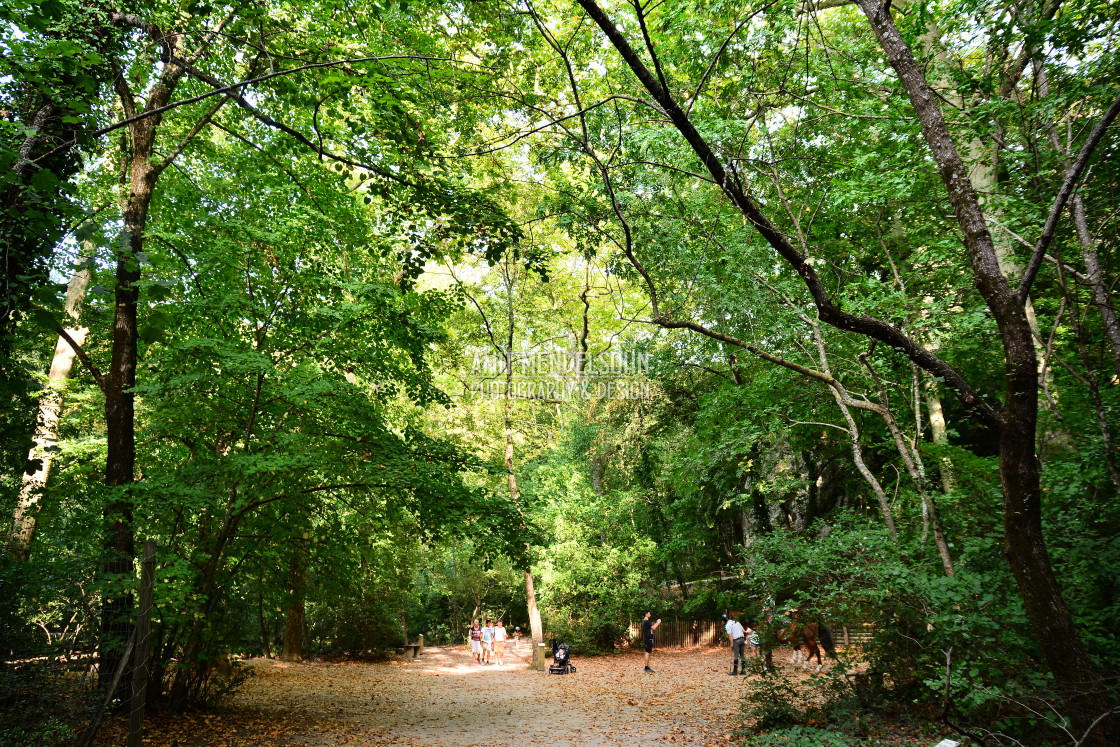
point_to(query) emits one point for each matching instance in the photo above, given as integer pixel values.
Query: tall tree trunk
(939, 431)
(1078, 682)
(1101, 295)
(1099, 289)
(266, 646)
(22, 534)
(144, 169)
(861, 466)
(912, 460)
(536, 627)
(295, 620)
(853, 434)
(120, 414)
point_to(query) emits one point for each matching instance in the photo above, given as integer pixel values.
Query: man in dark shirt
(648, 626)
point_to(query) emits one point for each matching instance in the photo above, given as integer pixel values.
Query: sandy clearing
(445, 699)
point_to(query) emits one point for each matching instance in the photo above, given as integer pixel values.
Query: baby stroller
(561, 659)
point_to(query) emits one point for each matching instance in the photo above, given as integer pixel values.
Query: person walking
(648, 626)
(476, 642)
(487, 641)
(737, 635)
(500, 643)
(517, 638)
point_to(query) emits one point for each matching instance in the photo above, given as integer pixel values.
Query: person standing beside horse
(738, 637)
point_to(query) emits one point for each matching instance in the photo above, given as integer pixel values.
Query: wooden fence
(687, 633)
(856, 634)
(682, 633)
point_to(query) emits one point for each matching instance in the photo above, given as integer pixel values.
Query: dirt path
(444, 698)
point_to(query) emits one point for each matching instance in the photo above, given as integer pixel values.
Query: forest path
(444, 698)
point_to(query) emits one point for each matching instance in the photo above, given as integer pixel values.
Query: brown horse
(795, 633)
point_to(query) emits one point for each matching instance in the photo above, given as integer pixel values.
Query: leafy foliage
(405, 191)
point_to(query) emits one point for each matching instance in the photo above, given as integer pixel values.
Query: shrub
(801, 736)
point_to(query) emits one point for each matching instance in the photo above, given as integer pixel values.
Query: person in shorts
(487, 641)
(476, 642)
(752, 638)
(648, 626)
(517, 638)
(500, 643)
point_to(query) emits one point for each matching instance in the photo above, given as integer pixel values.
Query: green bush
(801, 736)
(921, 619)
(774, 703)
(42, 705)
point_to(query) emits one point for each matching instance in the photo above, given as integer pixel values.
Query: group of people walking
(488, 642)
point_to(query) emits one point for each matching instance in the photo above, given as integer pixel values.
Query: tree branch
(240, 100)
(719, 53)
(827, 310)
(1073, 174)
(226, 89)
(79, 351)
(197, 128)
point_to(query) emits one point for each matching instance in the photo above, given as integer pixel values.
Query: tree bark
(120, 412)
(295, 613)
(912, 460)
(22, 534)
(939, 431)
(266, 646)
(118, 382)
(1102, 297)
(536, 627)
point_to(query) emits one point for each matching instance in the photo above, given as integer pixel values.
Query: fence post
(140, 652)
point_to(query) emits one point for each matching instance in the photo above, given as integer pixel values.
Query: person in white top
(738, 637)
(500, 643)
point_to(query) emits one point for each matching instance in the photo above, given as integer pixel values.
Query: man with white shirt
(738, 637)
